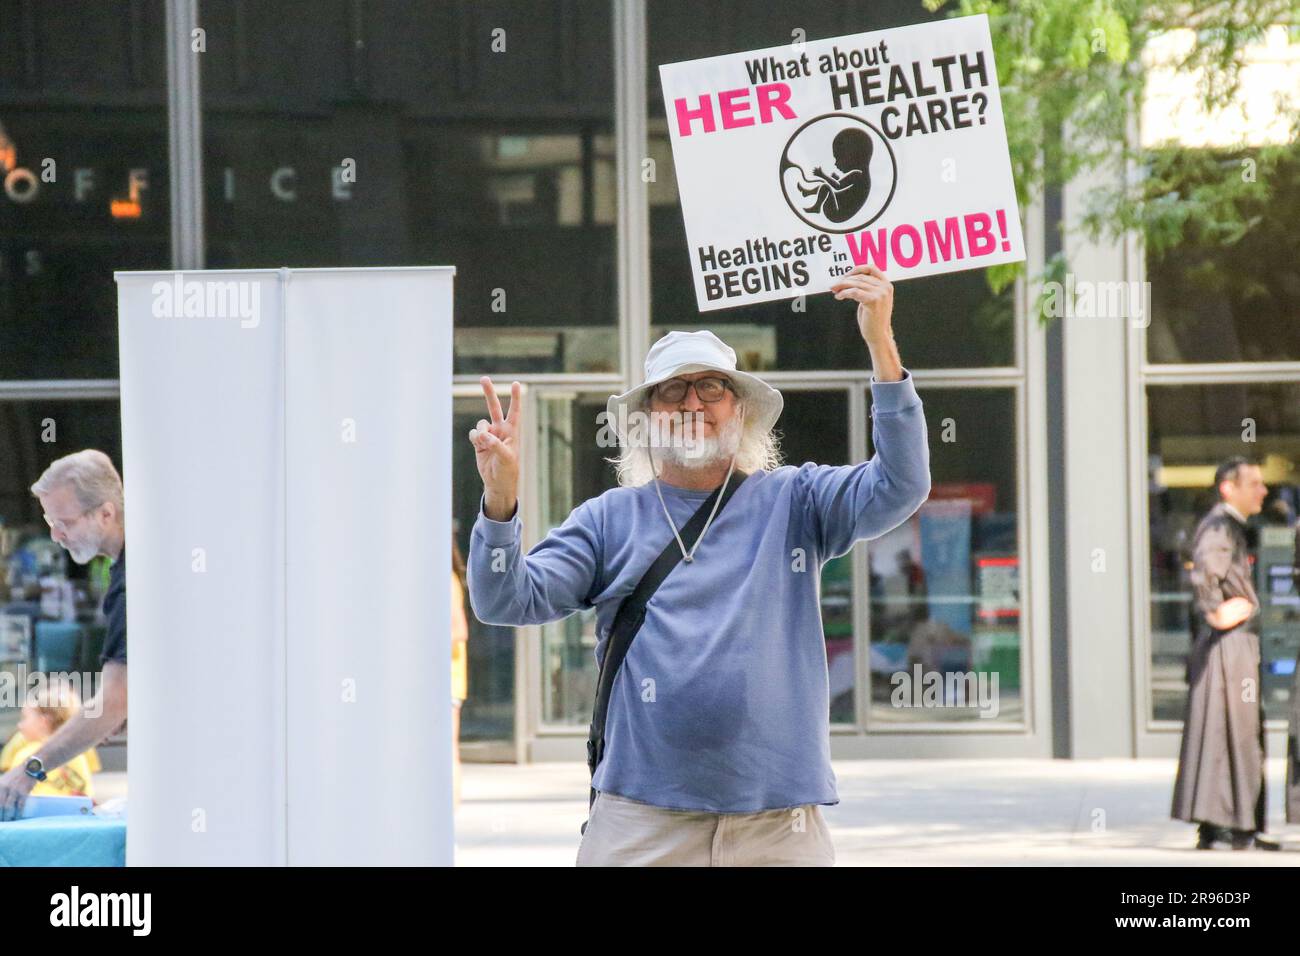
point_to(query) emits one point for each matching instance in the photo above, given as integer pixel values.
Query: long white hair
(758, 451)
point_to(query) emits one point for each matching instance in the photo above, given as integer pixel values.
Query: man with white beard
(710, 740)
(81, 495)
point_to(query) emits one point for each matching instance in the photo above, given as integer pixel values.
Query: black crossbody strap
(631, 613)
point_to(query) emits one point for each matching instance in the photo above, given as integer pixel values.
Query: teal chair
(58, 646)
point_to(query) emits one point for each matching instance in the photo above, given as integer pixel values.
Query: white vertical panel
(369, 526)
(202, 448)
(1098, 520)
(327, 561)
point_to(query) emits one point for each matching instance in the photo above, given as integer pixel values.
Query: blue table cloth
(63, 841)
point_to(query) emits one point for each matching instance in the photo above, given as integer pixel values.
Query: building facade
(525, 143)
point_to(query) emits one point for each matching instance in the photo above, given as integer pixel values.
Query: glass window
(949, 321)
(1191, 429)
(83, 179)
(1234, 302)
(946, 630)
(39, 583)
(814, 426)
(331, 141)
(488, 713)
(572, 469)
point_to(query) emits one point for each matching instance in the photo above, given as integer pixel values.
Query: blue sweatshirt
(723, 701)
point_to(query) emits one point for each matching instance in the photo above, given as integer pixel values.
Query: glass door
(571, 468)
(487, 720)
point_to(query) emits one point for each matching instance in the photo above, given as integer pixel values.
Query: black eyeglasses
(708, 389)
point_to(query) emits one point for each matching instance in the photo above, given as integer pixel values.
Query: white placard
(797, 163)
(285, 439)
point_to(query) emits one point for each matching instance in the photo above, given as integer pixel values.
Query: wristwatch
(36, 769)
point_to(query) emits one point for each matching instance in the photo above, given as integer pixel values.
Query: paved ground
(908, 813)
(894, 812)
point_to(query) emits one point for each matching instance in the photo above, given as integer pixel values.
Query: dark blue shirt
(115, 613)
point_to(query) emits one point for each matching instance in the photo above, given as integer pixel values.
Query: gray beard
(703, 452)
(82, 553)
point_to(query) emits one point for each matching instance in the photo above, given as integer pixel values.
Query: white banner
(285, 444)
(797, 163)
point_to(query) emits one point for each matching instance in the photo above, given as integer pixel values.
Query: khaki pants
(623, 832)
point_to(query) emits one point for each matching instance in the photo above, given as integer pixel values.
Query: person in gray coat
(1220, 782)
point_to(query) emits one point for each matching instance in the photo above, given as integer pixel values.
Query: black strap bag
(630, 615)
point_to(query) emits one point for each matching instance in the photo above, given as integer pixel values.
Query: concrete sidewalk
(905, 813)
(895, 812)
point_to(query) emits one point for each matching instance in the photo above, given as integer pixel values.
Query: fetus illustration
(839, 197)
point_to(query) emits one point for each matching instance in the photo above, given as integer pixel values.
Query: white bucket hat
(678, 353)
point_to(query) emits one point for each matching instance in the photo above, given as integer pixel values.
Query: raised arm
(850, 502)
(865, 501)
(505, 586)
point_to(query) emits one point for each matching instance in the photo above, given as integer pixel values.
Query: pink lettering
(1002, 228)
(942, 242)
(685, 114)
(911, 259)
(732, 103)
(864, 245)
(979, 234)
(942, 247)
(774, 96)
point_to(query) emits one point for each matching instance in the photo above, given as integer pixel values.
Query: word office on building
(527, 145)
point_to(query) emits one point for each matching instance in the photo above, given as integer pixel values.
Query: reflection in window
(529, 223)
(1192, 428)
(1213, 301)
(58, 252)
(946, 630)
(393, 146)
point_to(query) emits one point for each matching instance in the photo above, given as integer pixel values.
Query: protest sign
(797, 163)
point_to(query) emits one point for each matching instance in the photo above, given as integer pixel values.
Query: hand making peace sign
(496, 451)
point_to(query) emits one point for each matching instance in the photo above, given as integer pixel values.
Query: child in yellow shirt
(46, 711)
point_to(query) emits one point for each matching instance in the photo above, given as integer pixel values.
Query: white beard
(701, 451)
(81, 552)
